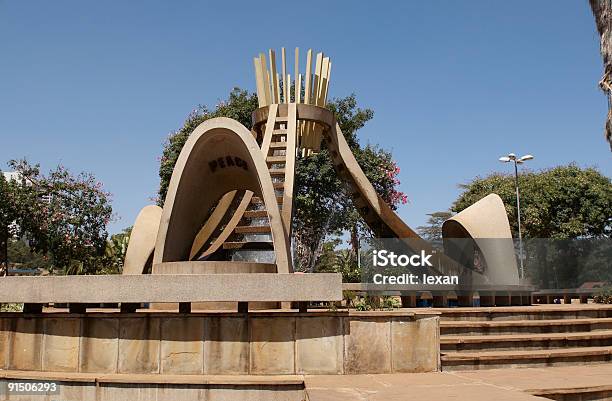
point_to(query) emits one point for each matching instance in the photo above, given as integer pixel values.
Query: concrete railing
(172, 288)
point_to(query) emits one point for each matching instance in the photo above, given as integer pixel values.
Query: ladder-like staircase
(253, 233)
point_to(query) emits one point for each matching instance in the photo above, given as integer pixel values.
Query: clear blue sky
(97, 86)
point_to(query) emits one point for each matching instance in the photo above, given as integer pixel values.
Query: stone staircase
(487, 338)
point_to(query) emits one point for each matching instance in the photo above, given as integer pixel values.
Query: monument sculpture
(231, 193)
(221, 243)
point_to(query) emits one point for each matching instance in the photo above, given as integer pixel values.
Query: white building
(14, 175)
(11, 175)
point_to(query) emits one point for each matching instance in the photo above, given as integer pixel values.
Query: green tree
(8, 216)
(328, 257)
(432, 231)
(114, 253)
(21, 255)
(557, 204)
(343, 261)
(561, 202)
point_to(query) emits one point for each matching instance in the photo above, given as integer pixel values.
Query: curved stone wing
(486, 222)
(142, 240)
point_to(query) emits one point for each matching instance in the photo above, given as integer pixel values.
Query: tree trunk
(4, 237)
(602, 10)
(307, 251)
(315, 254)
(355, 239)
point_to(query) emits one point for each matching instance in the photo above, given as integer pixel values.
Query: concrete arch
(486, 222)
(220, 156)
(142, 240)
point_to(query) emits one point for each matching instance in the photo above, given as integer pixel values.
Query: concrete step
(257, 199)
(531, 358)
(145, 386)
(278, 132)
(511, 342)
(278, 185)
(232, 245)
(277, 171)
(514, 313)
(276, 159)
(255, 214)
(278, 145)
(497, 327)
(591, 393)
(251, 229)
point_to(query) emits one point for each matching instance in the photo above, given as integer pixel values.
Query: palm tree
(602, 10)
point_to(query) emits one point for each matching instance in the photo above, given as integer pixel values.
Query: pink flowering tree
(62, 215)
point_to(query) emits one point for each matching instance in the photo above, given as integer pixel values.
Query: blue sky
(97, 86)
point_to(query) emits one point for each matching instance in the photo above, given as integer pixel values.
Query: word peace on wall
(227, 161)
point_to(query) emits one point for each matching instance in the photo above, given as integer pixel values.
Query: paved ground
(483, 385)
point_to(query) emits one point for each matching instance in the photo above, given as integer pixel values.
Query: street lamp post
(520, 160)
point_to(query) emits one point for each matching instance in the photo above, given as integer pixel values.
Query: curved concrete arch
(486, 222)
(220, 156)
(142, 240)
(375, 211)
(385, 222)
(238, 213)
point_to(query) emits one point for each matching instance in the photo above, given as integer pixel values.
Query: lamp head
(504, 159)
